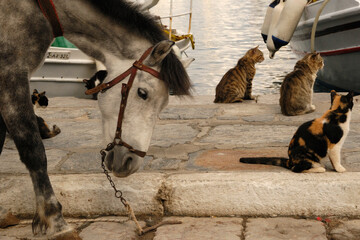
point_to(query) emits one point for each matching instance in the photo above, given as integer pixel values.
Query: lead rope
(119, 194)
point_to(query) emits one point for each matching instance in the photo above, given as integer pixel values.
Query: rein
(125, 89)
(48, 9)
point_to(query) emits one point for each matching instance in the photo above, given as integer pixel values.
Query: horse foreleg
(2, 133)
(21, 123)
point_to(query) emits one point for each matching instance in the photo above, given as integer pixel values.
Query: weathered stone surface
(187, 113)
(228, 160)
(11, 161)
(171, 134)
(7, 218)
(110, 230)
(284, 228)
(163, 164)
(259, 118)
(84, 161)
(201, 229)
(248, 193)
(352, 161)
(50, 114)
(77, 134)
(243, 135)
(180, 151)
(71, 102)
(86, 194)
(16, 232)
(347, 230)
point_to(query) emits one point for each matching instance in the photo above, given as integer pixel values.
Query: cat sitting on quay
(296, 91)
(39, 100)
(236, 84)
(316, 139)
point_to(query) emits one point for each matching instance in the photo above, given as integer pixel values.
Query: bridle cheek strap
(125, 89)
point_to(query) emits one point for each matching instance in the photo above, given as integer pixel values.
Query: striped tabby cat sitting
(236, 84)
(296, 90)
(316, 139)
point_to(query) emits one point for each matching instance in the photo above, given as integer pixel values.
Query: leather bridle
(49, 11)
(137, 65)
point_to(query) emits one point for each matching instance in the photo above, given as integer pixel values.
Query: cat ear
(43, 93)
(350, 94)
(333, 94)
(101, 75)
(35, 91)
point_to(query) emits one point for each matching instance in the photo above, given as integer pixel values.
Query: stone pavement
(192, 169)
(208, 228)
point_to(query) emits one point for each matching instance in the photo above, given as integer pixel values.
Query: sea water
(224, 30)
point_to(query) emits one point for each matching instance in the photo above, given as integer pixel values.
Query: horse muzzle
(122, 162)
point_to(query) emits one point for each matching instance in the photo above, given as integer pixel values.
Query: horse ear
(160, 51)
(186, 62)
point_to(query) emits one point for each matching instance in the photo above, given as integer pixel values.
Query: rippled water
(224, 30)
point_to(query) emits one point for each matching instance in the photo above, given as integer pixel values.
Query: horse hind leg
(21, 123)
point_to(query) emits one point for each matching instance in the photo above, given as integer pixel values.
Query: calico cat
(95, 80)
(315, 139)
(236, 84)
(41, 101)
(296, 90)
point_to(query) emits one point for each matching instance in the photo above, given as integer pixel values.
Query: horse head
(147, 97)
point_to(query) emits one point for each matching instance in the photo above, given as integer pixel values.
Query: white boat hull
(337, 39)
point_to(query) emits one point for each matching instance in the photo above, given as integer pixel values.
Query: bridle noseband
(137, 65)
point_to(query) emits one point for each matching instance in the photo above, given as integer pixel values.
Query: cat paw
(56, 130)
(340, 169)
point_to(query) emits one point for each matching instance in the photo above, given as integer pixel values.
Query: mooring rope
(313, 31)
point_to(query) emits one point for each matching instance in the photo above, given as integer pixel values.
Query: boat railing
(171, 16)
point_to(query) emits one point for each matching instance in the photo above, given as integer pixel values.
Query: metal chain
(118, 193)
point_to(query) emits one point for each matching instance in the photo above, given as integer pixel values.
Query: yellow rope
(180, 37)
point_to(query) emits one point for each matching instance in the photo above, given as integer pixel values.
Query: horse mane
(145, 25)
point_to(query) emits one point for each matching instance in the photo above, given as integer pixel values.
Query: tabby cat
(315, 139)
(296, 90)
(236, 84)
(41, 101)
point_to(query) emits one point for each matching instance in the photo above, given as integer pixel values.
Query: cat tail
(276, 161)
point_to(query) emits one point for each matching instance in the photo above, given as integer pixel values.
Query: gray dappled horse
(113, 32)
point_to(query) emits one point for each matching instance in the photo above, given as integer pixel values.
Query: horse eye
(142, 93)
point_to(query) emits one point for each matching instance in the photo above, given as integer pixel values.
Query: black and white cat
(41, 101)
(95, 80)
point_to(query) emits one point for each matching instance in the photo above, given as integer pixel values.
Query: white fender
(289, 19)
(267, 20)
(274, 20)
